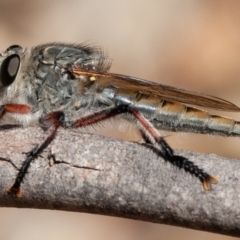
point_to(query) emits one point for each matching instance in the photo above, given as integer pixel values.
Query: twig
(87, 173)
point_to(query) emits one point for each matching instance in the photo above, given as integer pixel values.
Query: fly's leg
(100, 116)
(152, 136)
(14, 108)
(54, 120)
(160, 145)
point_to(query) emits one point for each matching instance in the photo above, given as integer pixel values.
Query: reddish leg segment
(56, 119)
(154, 138)
(14, 108)
(167, 153)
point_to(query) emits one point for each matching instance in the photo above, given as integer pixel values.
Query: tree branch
(87, 173)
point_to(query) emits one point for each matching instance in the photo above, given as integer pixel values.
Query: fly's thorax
(60, 56)
(54, 85)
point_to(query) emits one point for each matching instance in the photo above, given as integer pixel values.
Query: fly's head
(10, 65)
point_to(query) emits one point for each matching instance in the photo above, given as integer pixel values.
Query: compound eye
(9, 69)
(13, 47)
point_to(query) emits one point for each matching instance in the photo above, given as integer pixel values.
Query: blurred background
(191, 44)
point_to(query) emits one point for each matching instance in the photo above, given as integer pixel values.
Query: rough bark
(88, 173)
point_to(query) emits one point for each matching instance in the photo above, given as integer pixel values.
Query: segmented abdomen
(174, 116)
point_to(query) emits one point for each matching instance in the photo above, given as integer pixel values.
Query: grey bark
(88, 173)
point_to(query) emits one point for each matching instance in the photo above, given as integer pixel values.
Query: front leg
(54, 120)
(14, 108)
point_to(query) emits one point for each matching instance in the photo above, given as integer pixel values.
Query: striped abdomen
(174, 116)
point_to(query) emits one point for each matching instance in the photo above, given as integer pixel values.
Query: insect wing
(163, 91)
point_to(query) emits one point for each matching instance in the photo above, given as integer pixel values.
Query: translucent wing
(163, 91)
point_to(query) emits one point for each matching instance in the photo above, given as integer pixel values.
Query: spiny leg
(14, 108)
(149, 132)
(100, 116)
(151, 135)
(55, 120)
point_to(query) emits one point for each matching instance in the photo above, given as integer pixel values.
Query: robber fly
(60, 85)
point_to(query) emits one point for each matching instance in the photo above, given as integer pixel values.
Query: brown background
(192, 44)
